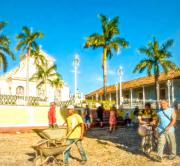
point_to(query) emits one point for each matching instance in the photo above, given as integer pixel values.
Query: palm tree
(57, 82)
(157, 58)
(108, 40)
(39, 57)
(45, 75)
(4, 48)
(28, 45)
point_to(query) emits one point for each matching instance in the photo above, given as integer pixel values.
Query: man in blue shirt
(167, 120)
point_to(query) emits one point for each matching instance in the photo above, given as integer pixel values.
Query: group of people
(163, 119)
(88, 117)
(162, 122)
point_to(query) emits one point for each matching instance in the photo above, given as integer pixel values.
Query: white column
(169, 97)
(92, 98)
(144, 97)
(96, 96)
(101, 98)
(110, 97)
(131, 94)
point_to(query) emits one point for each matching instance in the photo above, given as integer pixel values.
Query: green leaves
(27, 40)
(156, 58)
(4, 48)
(2, 25)
(107, 38)
(46, 74)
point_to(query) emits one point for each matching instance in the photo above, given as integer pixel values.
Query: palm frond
(2, 25)
(167, 44)
(26, 30)
(104, 21)
(21, 44)
(116, 43)
(4, 40)
(168, 65)
(109, 53)
(112, 28)
(7, 50)
(147, 51)
(3, 62)
(142, 65)
(40, 83)
(20, 36)
(51, 68)
(95, 40)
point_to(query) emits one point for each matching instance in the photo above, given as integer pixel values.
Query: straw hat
(70, 107)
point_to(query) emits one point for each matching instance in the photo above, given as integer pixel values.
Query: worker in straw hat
(75, 132)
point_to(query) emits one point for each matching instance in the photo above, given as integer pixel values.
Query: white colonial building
(14, 82)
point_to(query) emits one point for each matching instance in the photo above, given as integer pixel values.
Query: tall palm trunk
(104, 65)
(157, 90)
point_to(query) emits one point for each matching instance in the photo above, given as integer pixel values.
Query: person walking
(75, 133)
(166, 130)
(100, 112)
(52, 115)
(112, 119)
(87, 119)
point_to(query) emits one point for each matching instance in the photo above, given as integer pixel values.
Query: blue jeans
(80, 148)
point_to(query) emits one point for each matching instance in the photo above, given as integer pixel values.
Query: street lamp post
(120, 73)
(76, 62)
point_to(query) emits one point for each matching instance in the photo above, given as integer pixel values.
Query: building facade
(13, 83)
(137, 92)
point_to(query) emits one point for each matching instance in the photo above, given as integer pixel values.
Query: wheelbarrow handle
(70, 132)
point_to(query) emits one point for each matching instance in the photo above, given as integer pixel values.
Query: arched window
(20, 90)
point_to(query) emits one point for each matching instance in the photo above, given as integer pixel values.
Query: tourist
(147, 117)
(100, 112)
(167, 120)
(136, 113)
(52, 115)
(75, 132)
(87, 118)
(127, 119)
(112, 119)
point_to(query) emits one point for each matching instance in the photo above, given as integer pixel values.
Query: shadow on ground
(125, 138)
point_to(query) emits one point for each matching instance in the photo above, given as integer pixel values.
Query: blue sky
(66, 24)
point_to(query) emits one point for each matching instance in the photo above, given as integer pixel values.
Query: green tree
(157, 58)
(4, 48)
(108, 40)
(39, 57)
(27, 43)
(46, 75)
(57, 82)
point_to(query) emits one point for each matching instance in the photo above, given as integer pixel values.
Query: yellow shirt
(72, 122)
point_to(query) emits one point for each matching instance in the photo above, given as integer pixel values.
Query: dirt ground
(120, 148)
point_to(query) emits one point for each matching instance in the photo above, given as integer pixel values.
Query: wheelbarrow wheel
(40, 161)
